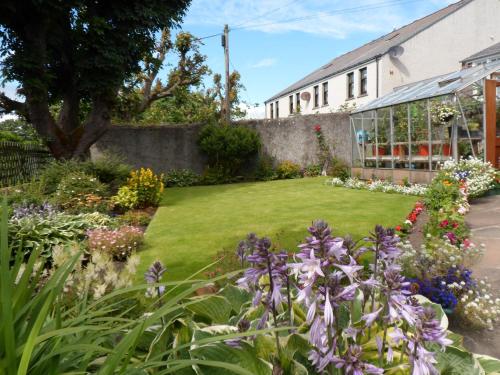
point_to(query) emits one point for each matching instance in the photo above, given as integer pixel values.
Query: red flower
(398, 228)
(455, 225)
(444, 224)
(317, 128)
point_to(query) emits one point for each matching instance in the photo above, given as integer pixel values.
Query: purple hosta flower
(246, 246)
(422, 361)
(265, 263)
(243, 326)
(154, 275)
(428, 328)
(385, 244)
(350, 269)
(396, 292)
(45, 210)
(371, 317)
(353, 365)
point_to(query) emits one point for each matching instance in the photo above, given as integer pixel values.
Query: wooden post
(490, 135)
(228, 86)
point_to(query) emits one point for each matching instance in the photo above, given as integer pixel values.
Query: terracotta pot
(446, 150)
(381, 150)
(423, 150)
(398, 150)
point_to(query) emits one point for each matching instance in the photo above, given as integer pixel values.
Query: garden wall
(166, 147)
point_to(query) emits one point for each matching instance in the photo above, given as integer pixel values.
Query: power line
(332, 12)
(267, 13)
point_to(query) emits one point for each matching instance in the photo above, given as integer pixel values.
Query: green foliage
(228, 147)
(215, 176)
(43, 233)
(442, 192)
(147, 185)
(338, 168)
(53, 173)
(18, 130)
(25, 194)
(126, 198)
(265, 170)
(313, 170)
(110, 169)
(181, 178)
(135, 218)
(288, 169)
(79, 192)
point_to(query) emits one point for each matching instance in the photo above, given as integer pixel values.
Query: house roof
(372, 50)
(490, 51)
(433, 87)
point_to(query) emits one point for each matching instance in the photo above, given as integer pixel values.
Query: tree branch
(8, 105)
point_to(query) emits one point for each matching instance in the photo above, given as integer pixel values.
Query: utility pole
(227, 104)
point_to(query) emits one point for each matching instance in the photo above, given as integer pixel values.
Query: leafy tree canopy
(76, 52)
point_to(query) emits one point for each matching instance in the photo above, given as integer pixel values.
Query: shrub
(126, 198)
(24, 195)
(228, 146)
(148, 186)
(215, 176)
(265, 170)
(442, 192)
(288, 169)
(109, 169)
(181, 178)
(53, 173)
(45, 230)
(313, 170)
(135, 218)
(338, 168)
(99, 277)
(79, 192)
(117, 243)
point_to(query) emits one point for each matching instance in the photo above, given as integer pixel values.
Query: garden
(111, 269)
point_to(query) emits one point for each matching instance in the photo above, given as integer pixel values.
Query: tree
(20, 129)
(76, 53)
(218, 93)
(147, 87)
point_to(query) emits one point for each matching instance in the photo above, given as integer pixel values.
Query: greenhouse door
(492, 88)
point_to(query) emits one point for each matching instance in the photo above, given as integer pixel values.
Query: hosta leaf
(489, 364)
(236, 296)
(298, 343)
(455, 361)
(440, 314)
(214, 308)
(246, 358)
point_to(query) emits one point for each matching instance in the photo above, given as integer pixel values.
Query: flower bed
(379, 185)
(440, 269)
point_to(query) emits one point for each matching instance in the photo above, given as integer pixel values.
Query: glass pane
(370, 148)
(400, 136)
(444, 113)
(419, 135)
(472, 101)
(384, 138)
(358, 142)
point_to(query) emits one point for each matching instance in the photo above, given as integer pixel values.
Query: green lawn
(194, 223)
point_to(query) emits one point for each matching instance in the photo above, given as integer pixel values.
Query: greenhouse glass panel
(419, 135)
(359, 139)
(370, 146)
(384, 159)
(400, 135)
(470, 131)
(443, 115)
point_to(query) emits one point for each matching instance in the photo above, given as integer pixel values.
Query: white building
(431, 46)
(485, 56)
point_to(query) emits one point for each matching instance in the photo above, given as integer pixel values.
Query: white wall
(337, 93)
(440, 48)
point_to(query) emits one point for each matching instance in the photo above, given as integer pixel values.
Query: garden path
(484, 221)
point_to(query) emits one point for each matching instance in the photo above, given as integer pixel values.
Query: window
(297, 102)
(290, 104)
(325, 93)
(277, 105)
(350, 86)
(271, 110)
(363, 81)
(316, 96)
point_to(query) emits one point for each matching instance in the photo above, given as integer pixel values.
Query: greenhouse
(406, 134)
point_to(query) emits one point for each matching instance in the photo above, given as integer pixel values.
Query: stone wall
(166, 147)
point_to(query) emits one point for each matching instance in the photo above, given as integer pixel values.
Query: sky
(283, 40)
(274, 43)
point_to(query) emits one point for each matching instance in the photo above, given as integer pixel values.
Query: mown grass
(194, 223)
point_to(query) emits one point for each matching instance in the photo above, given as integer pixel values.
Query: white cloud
(333, 18)
(264, 63)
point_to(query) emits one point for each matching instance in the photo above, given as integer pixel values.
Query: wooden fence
(20, 163)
